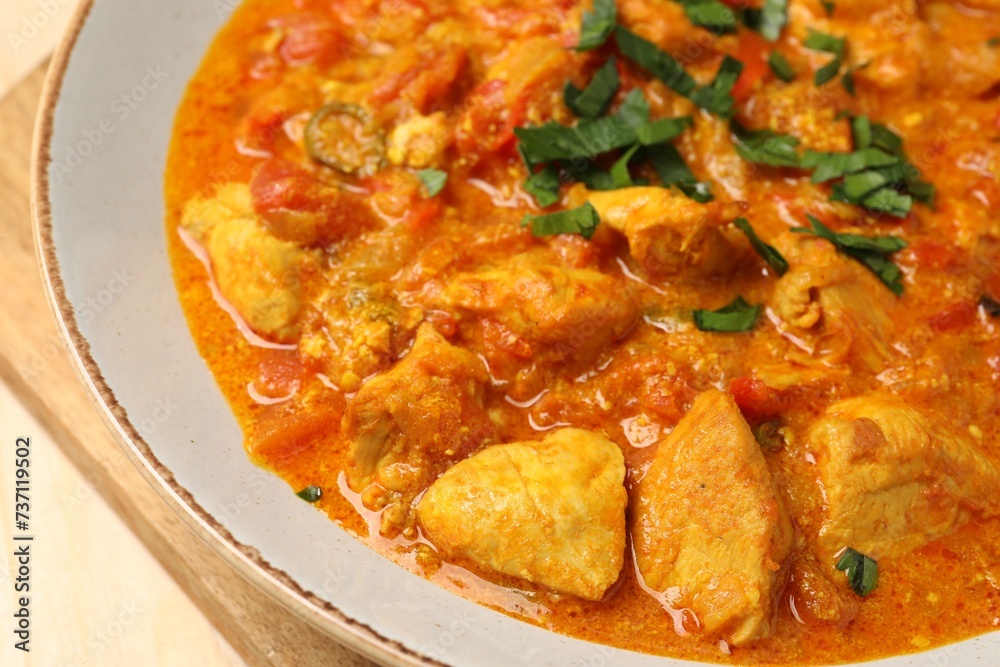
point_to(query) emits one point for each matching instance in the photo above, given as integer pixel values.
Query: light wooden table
(116, 578)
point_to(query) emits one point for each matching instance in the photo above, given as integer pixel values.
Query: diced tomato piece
(934, 255)
(756, 400)
(300, 208)
(422, 213)
(309, 39)
(280, 373)
(752, 51)
(427, 85)
(487, 125)
(955, 317)
(286, 436)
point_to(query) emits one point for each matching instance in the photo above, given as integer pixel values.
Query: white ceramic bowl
(101, 145)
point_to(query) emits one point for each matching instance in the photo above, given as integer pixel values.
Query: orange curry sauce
(492, 65)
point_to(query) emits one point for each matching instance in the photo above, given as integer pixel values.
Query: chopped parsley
(780, 66)
(715, 98)
(434, 180)
(828, 6)
(310, 494)
(769, 20)
(872, 252)
(663, 130)
(876, 176)
(862, 571)
(582, 220)
(710, 14)
(818, 41)
(737, 316)
(597, 25)
(620, 176)
(765, 146)
(659, 63)
(770, 254)
(673, 172)
(593, 100)
(543, 186)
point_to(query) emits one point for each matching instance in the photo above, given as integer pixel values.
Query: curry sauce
(360, 226)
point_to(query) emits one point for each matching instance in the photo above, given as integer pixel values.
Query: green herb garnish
(862, 571)
(765, 146)
(780, 66)
(597, 25)
(660, 64)
(872, 252)
(737, 316)
(543, 186)
(717, 96)
(710, 14)
(769, 19)
(818, 41)
(673, 172)
(770, 254)
(593, 100)
(310, 494)
(582, 221)
(828, 6)
(663, 130)
(434, 180)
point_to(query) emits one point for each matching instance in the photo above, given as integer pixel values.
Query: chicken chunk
(259, 274)
(895, 480)
(708, 526)
(666, 231)
(559, 313)
(803, 111)
(407, 424)
(420, 142)
(834, 304)
(551, 512)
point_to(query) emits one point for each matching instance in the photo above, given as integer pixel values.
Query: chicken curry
(666, 324)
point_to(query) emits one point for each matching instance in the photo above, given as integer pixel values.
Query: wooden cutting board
(35, 364)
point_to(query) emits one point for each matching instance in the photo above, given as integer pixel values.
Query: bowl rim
(244, 558)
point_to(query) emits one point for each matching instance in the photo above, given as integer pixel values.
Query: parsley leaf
(847, 81)
(597, 25)
(582, 221)
(765, 146)
(770, 20)
(834, 165)
(620, 176)
(310, 494)
(663, 130)
(593, 100)
(710, 14)
(872, 252)
(818, 41)
(660, 64)
(779, 65)
(770, 254)
(862, 571)
(434, 180)
(588, 139)
(543, 186)
(737, 316)
(672, 171)
(717, 96)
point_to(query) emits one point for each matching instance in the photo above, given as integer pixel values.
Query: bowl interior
(108, 267)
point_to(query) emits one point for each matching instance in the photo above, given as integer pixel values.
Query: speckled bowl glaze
(100, 147)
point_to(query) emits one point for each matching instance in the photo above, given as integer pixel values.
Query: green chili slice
(342, 137)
